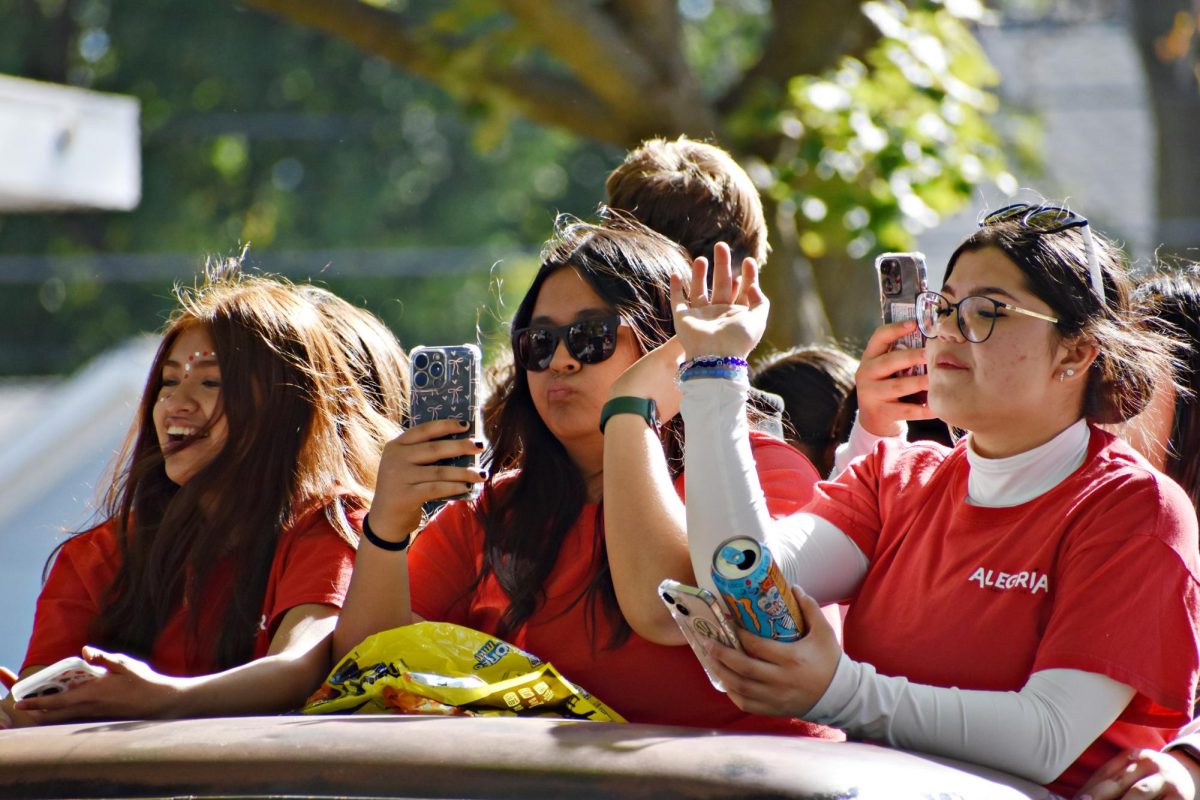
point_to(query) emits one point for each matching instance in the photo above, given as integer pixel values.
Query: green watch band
(644, 407)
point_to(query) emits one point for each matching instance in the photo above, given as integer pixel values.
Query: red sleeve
(1138, 551)
(443, 562)
(852, 501)
(786, 475)
(70, 601)
(312, 565)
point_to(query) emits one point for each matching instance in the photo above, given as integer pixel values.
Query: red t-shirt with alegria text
(1098, 574)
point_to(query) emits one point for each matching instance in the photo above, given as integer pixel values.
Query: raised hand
(880, 409)
(653, 376)
(409, 476)
(730, 322)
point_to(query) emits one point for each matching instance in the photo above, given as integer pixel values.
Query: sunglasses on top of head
(589, 341)
(1052, 219)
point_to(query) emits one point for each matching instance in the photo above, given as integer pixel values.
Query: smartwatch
(643, 407)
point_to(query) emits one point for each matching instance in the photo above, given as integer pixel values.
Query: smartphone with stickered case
(902, 277)
(445, 383)
(56, 678)
(701, 618)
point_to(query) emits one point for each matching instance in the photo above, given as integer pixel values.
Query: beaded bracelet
(730, 367)
(712, 372)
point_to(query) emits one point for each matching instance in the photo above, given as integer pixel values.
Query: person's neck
(1012, 438)
(1017, 479)
(589, 460)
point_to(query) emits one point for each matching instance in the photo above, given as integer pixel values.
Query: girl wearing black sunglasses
(1041, 567)
(531, 561)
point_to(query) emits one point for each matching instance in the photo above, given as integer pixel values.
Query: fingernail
(478, 444)
(483, 473)
(462, 423)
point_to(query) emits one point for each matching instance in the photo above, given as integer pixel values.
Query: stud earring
(1062, 376)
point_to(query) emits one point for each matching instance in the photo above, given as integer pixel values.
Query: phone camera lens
(683, 609)
(436, 369)
(420, 361)
(420, 380)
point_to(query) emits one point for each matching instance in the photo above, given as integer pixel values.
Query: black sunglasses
(589, 341)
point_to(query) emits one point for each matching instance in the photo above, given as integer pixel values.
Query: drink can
(755, 591)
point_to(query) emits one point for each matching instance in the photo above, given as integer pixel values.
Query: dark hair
(1131, 357)
(693, 193)
(370, 348)
(301, 437)
(819, 399)
(1173, 301)
(526, 517)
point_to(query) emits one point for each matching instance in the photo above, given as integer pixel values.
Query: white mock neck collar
(1011, 481)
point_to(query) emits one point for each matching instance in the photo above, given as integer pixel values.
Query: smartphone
(700, 617)
(56, 678)
(901, 278)
(445, 384)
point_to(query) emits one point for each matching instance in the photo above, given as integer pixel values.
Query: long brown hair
(301, 437)
(527, 517)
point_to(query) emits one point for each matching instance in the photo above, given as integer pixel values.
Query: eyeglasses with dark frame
(975, 313)
(1052, 219)
(589, 341)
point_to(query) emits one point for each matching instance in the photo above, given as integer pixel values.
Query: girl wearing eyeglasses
(1026, 600)
(532, 560)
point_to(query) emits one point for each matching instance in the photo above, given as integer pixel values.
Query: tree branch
(540, 96)
(595, 50)
(806, 38)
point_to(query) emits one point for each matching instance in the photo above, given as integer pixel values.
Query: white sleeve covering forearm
(725, 499)
(1036, 732)
(860, 443)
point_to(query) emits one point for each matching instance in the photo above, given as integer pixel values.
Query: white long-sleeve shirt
(1036, 732)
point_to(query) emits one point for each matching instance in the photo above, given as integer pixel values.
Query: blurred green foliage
(258, 130)
(878, 150)
(255, 130)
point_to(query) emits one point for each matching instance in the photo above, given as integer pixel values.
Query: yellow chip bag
(441, 668)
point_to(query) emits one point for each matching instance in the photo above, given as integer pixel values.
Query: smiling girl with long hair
(214, 583)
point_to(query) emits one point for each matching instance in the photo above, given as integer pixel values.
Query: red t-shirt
(1098, 574)
(312, 565)
(642, 681)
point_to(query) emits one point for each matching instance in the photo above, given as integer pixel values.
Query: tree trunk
(1174, 89)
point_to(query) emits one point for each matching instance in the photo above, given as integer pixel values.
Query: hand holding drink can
(753, 588)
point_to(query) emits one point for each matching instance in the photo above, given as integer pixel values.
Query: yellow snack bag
(441, 668)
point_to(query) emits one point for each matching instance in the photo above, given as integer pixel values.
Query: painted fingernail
(483, 473)
(478, 444)
(462, 423)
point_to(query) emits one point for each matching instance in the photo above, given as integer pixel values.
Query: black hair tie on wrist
(383, 544)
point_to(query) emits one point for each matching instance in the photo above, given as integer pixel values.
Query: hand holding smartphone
(445, 385)
(902, 277)
(700, 617)
(56, 678)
